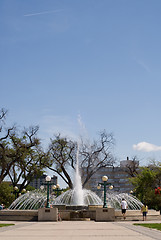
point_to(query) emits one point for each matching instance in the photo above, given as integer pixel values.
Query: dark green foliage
(30, 188)
(144, 186)
(6, 194)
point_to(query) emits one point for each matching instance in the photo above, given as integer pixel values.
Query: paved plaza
(77, 230)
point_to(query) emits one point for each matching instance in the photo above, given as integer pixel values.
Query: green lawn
(5, 225)
(150, 225)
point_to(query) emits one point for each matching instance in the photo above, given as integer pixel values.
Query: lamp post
(56, 189)
(133, 192)
(104, 184)
(15, 191)
(48, 180)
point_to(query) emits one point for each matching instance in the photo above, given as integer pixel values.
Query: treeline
(22, 156)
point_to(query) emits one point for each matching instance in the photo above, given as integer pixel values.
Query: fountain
(68, 198)
(76, 198)
(36, 199)
(31, 200)
(78, 203)
(83, 197)
(74, 204)
(114, 199)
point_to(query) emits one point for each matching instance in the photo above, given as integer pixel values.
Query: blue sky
(100, 60)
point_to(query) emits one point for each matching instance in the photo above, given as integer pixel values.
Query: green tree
(28, 154)
(20, 153)
(6, 194)
(144, 186)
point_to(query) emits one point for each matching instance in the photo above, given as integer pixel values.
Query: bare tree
(5, 160)
(132, 167)
(62, 153)
(96, 155)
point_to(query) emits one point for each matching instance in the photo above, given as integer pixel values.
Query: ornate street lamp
(17, 191)
(48, 180)
(104, 184)
(56, 189)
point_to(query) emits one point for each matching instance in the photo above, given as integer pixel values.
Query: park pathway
(77, 230)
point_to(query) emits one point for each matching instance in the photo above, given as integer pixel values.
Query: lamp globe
(104, 178)
(48, 178)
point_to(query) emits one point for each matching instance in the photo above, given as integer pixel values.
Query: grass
(150, 225)
(5, 225)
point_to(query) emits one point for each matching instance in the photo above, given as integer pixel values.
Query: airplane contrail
(41, 13)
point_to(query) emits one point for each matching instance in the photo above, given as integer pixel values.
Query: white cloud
(42, 13)
(146, 147)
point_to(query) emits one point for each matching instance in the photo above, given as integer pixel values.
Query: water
(69, 198)
(32, 200)
(114, 199)
(77, 194)
(36, 199)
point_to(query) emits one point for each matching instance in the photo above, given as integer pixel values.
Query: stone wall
(18, 215)
(66, 215)
(48, 214)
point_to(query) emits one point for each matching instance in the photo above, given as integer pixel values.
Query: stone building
(117, 176)
(37, 182)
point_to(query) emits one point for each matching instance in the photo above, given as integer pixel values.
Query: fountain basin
(18, 215)
(81, 207)
(32, 215)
